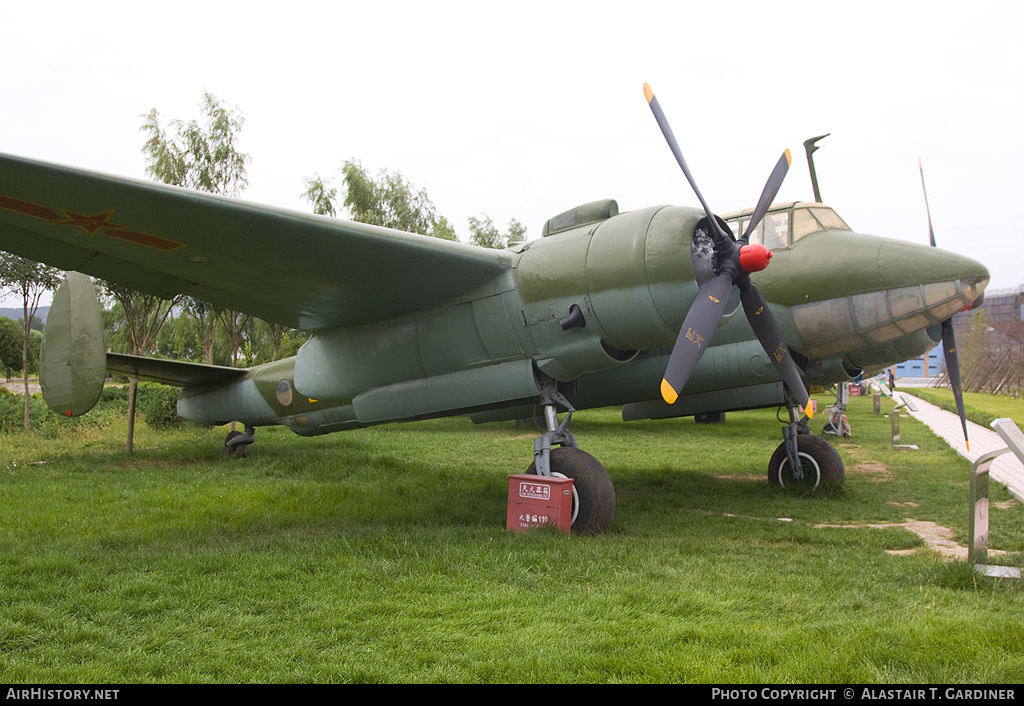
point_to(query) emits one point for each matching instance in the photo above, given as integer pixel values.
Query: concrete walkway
(1006, 469)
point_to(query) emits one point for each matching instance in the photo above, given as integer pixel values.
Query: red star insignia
(91, 224)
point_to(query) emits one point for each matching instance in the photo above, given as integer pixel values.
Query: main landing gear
(556, 453)
(804, 462)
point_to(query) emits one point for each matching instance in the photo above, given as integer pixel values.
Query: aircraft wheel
(710, 418)
(593, 493)
(238, 450)
(819, 460)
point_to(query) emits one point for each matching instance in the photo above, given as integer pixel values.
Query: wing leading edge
(179, 373)
(301, 270)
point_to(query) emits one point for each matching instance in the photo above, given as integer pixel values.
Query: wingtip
(668, 393)
(648, 93)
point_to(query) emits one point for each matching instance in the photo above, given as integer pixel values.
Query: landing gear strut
(802, 461)
(593, 498)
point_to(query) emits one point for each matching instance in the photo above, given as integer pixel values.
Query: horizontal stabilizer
(172, 372)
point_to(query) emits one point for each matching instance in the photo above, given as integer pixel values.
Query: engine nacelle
(630, 277)
(578, 301)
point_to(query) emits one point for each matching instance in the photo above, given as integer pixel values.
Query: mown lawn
(980, 407)
(381, 556)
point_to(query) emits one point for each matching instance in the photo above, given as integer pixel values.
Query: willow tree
(484, 233)
(202, 156)
(387, 200)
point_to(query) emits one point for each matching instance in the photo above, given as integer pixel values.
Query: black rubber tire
(709, 418)
(592, 485)
(822, 465)
(238, 450)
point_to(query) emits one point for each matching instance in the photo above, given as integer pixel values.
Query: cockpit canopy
(786, 223)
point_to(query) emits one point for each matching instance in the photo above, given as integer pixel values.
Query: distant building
(1001, 306)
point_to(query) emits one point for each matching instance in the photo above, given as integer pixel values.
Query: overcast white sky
(525, 109)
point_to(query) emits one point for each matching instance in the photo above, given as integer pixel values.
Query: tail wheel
(593, 493)
(237, 450)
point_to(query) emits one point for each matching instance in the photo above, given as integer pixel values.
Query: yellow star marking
(91, 224)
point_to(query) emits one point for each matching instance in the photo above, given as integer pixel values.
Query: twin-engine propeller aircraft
(635, 309)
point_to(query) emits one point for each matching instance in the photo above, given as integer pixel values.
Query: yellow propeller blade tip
(668, 393)
(789, 158)
(648, 93)
(809, 410)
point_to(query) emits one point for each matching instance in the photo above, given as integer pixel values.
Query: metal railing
(979, 504)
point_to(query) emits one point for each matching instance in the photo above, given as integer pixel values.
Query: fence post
(901, 403)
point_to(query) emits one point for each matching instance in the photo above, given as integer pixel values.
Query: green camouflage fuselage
(847, 303)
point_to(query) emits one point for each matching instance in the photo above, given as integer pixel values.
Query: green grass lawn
(980, 407)
(381, 556)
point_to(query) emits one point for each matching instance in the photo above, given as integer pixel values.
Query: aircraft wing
(302, 270)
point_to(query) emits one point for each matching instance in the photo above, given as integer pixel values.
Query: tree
(234, 324)
(975, 351)
(143, 317)
(392, 202)
(269, 335)
(485, 234)
(321, 194)
(10, 346)
(204, 315)
(197, 158)
(389, 201)
(202, 157)
(30, 280)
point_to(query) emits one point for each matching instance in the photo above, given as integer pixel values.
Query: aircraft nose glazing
(859, 321)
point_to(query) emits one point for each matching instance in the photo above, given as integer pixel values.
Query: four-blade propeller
(737, 259)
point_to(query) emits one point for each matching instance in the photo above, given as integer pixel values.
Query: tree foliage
(321, 194)
(992, 355)
(10, 346)
(975, 349)
(387, 200)
(484, 233)
(136, 319)
(196, 157)
(29, 280)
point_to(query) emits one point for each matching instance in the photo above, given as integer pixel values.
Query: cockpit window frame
(812, 218)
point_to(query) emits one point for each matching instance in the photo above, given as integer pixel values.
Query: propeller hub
(754, 258)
